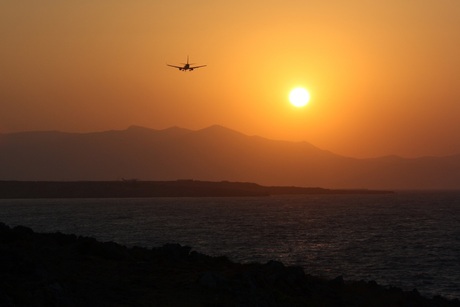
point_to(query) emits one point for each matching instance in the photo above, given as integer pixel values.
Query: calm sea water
(409, 240)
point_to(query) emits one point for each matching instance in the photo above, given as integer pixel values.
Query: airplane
(186, 66)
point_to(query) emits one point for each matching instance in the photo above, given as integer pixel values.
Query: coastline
(55, 269)
(136, 188)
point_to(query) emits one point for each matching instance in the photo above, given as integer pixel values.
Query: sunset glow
(385, 75)
(299, 97)
(322, 134)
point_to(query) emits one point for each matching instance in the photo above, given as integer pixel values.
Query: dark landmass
(58, 269)
(211, 154)
(134, 188)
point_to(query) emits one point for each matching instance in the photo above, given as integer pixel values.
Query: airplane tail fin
(189, 62)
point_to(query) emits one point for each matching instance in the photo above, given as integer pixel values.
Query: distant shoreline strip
(146, 189)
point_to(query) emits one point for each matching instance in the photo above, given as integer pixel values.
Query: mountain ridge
(214, 153)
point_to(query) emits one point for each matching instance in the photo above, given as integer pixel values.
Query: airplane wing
(175, 66)
(197, 66)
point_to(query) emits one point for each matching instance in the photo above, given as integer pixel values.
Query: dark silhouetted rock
(56, 269)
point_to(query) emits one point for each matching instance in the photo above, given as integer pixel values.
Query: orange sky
(384, 76)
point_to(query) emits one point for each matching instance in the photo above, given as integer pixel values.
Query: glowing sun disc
(299, 97)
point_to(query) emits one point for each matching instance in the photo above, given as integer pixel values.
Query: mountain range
(215, 153)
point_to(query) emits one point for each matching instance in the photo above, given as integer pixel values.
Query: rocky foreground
(65, 270)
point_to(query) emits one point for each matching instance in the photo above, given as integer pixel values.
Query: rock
(66, 270)
(212, 280)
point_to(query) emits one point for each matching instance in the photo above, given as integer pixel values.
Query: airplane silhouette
(186, 66)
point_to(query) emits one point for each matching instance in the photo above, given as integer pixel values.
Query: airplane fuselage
(186, 66)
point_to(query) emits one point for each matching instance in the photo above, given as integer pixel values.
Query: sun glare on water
(299, 97)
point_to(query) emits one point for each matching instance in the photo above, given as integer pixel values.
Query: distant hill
(214, 154)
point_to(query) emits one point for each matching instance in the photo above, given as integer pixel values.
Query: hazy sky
(384, 76)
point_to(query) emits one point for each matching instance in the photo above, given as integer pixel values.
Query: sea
(409, 240)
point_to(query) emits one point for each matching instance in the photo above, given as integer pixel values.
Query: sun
(299, 97)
